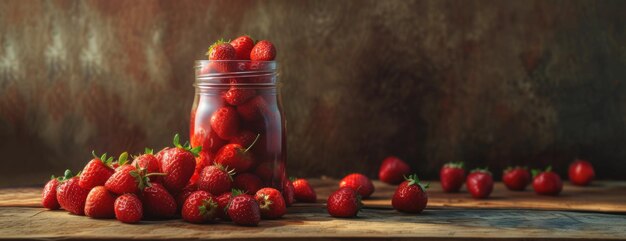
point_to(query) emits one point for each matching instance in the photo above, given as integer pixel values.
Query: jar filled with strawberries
(237, 117)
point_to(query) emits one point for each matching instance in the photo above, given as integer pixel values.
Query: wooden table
(507, 215)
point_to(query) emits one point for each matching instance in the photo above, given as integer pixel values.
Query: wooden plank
(313, 223)
(601, 197)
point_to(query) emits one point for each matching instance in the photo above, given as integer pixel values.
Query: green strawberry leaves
(536, 172)
(186, 146)
(414, 180)
(142, 177)
(483, 170)
(208, 207)
(459, 165)
(103, 158)
(148, 151)
(67, 175)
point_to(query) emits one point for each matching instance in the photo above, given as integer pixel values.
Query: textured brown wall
(487, 82)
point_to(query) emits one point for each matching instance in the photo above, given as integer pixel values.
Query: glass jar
(237, 119)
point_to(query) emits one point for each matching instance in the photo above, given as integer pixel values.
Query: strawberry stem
(254, 142)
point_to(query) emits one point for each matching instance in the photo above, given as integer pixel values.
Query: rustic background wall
(492, 83)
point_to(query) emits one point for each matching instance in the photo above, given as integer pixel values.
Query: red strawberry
(242, 45)
(128, 208)
(410, 196)
(547, 182)
(221, 50)
(254, 109)
(288, 192)
(359, 183)
(149, 162)
(479, 183)
(516, 178)
(244, 210)
(128, 179)
(96, 172)
(200, 207)
(49, 194)
(179, 164)
(99, 203)
(184, 194)
(71, 196)
(452, 176)
(581, 173)
(222, 204)
(303, 191)
(344, 203)
(209, 140)
(225, 122)
(157, 202)
(271, 203)
(244, 138)
(236, 157)
(238, 95)
(263, 51)
(215, 179)
(270, 170)
(393, 170)
(247, 182)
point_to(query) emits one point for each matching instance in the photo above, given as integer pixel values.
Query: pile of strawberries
(479, 182)
(158, 187)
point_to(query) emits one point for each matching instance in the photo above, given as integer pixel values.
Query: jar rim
(212, 72)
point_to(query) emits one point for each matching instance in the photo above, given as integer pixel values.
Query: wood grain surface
(608, 197)
(313, 223)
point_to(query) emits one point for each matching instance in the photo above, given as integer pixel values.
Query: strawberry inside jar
(237, 119)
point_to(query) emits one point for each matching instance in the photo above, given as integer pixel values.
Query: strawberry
(547, 182)
(271, 203)
(410, 196)
(99, 203)
(254, 109)
(157, 202)
(359, 183)
(270, 170)
(263, 51)
(128, 208)
(581, 173)
(393, 170)
(149, 162)
(244, 138)
(288, 192)
(344, 203)
(49, 194)
(247, 182)
(215, 179)
(222, 204)
(128, 178)
(236, 157)
(452, 176)
(243, 46)
(516, 178)
(244, 210)
(96, 172)
(209, 140)
(303, 191)
(225, 122)
(71, 195)
(184, 194)
(179, 164)
(238, 95)
(200, 207)
(479, 183)
(221, 50)
(203, 160)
